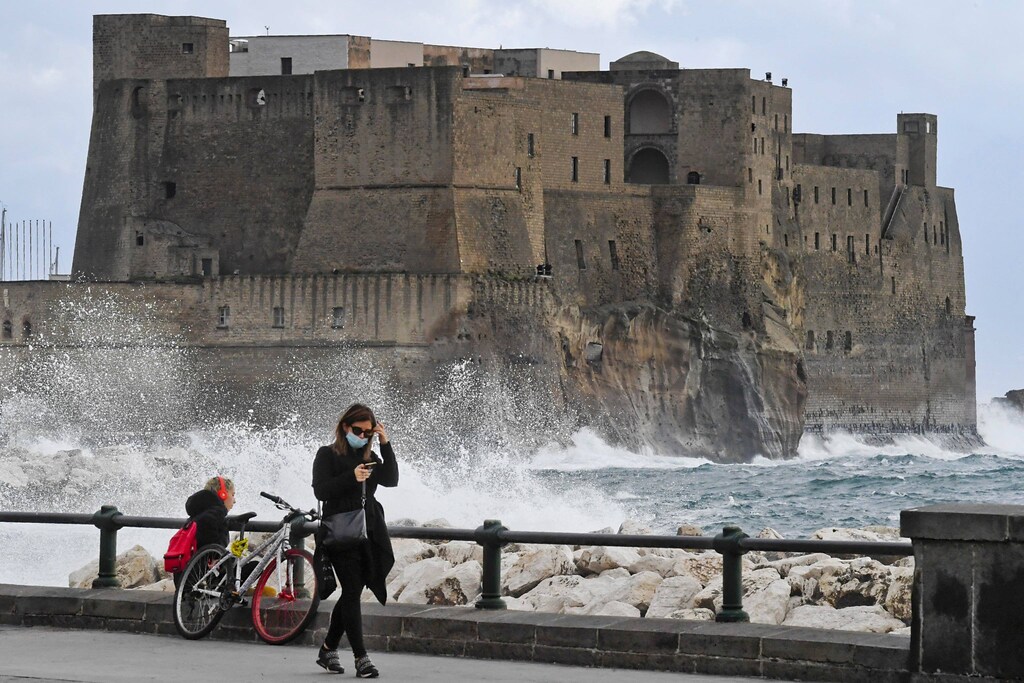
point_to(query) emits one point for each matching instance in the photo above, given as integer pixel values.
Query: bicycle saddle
(245, 517)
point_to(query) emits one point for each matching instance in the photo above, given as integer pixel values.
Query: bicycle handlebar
(273, 499)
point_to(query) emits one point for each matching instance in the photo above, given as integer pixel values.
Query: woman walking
(341, 474)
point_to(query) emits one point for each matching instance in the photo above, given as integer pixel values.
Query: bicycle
(284, 601)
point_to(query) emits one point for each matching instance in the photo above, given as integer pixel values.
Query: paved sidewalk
(41, 654)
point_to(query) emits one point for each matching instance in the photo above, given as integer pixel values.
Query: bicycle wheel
(284, 604)
(198, 604)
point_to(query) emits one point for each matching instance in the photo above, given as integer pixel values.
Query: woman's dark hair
(356, 412)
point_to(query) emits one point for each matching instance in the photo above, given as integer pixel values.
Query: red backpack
(180, 549)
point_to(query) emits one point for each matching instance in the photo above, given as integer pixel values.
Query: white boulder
(458, 552)
(412, 584)
(673, 594)
(135, 567)
(598, 558)
(693, 614)
(867, 618)
(535, 564)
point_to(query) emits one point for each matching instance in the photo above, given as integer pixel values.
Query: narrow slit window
(865, 197)
(529, 145)
(815, 194)
(834, 246)
(759, 186)
(830, 339)
(580, 261)
(850, 253)
(894, 284)
(810, 340)
(575, 123)
(575, 169)
(519, 178)
(817, 241)
(833, 195)
(849, 197)
(8, 331)
(607, 126)
(867, 244)
(607, 171)
(613, 253)
(848, 341)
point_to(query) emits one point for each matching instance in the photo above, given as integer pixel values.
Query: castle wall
(479, 60)
(152, 46)
(383, 167)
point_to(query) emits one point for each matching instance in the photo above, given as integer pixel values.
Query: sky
(852, 65)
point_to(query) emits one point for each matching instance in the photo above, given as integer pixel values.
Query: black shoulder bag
(345, 530)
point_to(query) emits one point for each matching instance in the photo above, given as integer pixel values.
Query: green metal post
(728, 544)
(297, 539)
(106, 521)
(490, 589)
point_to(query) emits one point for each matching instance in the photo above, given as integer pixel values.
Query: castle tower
(921, 132)
(152, 46)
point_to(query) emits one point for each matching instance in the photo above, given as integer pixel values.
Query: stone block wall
(151, 46)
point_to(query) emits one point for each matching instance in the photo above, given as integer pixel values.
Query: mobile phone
(369, 465)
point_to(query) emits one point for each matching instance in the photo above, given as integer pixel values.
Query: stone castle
(655, 243)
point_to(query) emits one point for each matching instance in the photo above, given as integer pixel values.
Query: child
(208, 508)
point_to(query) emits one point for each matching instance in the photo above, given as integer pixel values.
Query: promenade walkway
(42, 654)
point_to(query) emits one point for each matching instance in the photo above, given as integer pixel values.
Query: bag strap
(363, 502)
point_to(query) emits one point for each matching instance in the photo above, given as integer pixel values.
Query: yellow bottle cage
(239, 546)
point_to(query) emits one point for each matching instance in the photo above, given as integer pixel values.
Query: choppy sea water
(585, 485)
(131, 424)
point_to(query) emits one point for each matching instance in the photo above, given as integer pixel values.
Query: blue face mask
(355, 441)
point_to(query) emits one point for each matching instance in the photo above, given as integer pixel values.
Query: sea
(122, 425)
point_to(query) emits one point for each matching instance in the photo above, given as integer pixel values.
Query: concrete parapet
(969, 591)
(656, 644)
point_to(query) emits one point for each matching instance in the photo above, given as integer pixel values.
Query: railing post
(490, 580)
(106, 521)
(297, 539)
(727, 544)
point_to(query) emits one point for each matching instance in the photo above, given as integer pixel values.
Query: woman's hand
(362, 473)
(382, 436)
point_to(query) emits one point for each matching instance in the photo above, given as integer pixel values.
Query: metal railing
(492, 536)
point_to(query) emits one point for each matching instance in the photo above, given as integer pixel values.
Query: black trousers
(347, 618)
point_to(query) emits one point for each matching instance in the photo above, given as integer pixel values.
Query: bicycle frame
(272, 548)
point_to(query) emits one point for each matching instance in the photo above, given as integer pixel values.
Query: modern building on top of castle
(833, 263)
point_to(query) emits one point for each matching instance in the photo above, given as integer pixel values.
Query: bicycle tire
(280, 618)
(195, 615)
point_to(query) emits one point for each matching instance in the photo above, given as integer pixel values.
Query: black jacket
(210, 515)
(334, 482)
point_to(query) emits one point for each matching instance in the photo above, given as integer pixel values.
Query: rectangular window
(762, 145)
(207, 266)
(607, 171)
(286, 66)
(834, 246)
(551, 73)
(787, 196)
(942, 233)
(278, 316)
(850, 255)
(755, 145)
(575, 123)
(934, 238)
(830, 339)
(787, 162)
(785, 123)
(575, 169)
(848, 341)
(614, 254)
(867, 244)
(764, 105)
(785, 240)
(817, 241)
(865, 197)
(140, 239)
(894, 285)
(170, 190)
(833, 195)
(750, 175)
(810, 340)
(519, 178)
(529, 145)
(224, 316)
(338, 317)
(753, 104)
(607, 126)
(926, 233)
(759, 186)
(580, 262)
(776, 122)
(187, 48)
(849, 197)
(815, 194)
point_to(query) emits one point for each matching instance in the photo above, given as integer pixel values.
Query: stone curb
(621, 642)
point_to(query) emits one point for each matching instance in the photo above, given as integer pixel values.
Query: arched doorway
(693, 178)
(648, 167)
(649, 113)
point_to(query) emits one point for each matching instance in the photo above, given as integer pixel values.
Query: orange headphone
(222, 492)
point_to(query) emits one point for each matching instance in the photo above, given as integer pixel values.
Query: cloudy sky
(853, 65)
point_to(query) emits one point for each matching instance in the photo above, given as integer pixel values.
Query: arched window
(693, 178)
(649, 113)
(648, 166)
